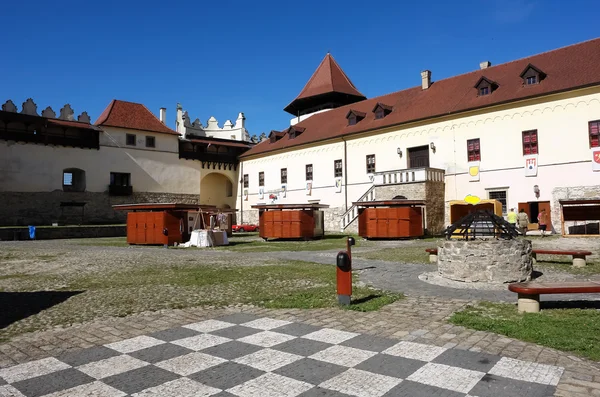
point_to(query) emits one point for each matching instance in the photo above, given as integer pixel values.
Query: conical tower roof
(328, 85)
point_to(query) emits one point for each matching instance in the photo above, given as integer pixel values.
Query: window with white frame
(500, 195)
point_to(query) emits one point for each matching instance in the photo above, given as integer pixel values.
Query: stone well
(486, 260)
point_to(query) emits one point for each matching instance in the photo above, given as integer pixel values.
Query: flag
(596, 158)
(531, 165)
(474, 171)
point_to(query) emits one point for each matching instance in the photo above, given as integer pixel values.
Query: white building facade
(524, 133)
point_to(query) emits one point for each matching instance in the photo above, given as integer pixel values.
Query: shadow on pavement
(16, 306)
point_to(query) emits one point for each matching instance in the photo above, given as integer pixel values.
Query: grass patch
(566, 265)
(275, 284)
(406, 254)
(327, 242)
(572, 330)
(101, 242)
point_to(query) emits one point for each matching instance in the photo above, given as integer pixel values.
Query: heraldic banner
(473, 171)
(531, 164)
(596, 158)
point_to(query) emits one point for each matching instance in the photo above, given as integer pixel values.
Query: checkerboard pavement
(245, 355)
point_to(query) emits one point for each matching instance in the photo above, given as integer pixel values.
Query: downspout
(345, 176)
(241, 193)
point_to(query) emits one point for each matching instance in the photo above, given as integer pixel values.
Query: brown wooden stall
(294, 221)
(582, 210)
(390, 218)
(146, 222)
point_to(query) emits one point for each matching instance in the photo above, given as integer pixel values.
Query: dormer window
(381, 110)
(532, 75)
(485, 86)
(274, 136)
(294, 131)
(355, 116)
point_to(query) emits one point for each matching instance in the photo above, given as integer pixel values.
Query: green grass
(328, 242)
(572, 330)
(274, 284)
(101, 242)
(565, 264)
(407, 254)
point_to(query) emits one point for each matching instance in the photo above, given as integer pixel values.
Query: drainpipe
(345, 176)
(241, 193)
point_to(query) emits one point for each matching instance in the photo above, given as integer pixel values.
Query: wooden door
(545, 205)
(140, 220)
(418, 157)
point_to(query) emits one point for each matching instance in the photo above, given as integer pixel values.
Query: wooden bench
(432, 254)
(529, 293)
(578, 256)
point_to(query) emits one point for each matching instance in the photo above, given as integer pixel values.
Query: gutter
(345, 176)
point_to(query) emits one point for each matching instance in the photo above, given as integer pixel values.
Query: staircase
(393, 177)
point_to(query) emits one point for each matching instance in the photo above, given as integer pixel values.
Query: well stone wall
(490, 261)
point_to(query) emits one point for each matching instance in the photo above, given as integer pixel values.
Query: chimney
(163, 115)
(485, 65)
(425, 79)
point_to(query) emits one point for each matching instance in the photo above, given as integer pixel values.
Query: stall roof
(163, 206)
(579, 201)
(290, 206)
(388, 203)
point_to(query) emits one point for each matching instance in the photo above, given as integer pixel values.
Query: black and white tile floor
(244, 355)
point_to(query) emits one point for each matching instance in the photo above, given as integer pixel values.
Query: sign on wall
(596, 158)
(284, 191)
(308, 188)
(245, 194)
(338, 185)
(261, 193)
(531, 164)
(474, 171)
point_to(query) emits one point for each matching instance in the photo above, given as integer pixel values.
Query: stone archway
(217, 189)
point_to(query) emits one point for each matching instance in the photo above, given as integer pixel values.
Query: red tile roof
(329, 77)
(567, 68)
(74, 124)
(133, 116)
(222, 143)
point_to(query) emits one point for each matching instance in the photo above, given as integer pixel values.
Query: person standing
(512, 217)
(523, 221)
(543, 221)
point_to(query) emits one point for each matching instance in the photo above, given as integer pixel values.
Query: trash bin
(32, 232)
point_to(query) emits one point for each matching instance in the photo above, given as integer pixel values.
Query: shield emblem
(596, 156)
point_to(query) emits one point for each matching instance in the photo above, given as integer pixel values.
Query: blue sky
(222, 57)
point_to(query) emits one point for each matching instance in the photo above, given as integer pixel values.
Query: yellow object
(473, 171)
(472, 199)
(512, 217)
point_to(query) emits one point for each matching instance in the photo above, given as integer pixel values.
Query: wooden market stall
(163, 223)
(391, 218)
(584, 211)
(305, 221)
(461, 208)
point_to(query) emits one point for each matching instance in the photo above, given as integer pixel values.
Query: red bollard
(344, 273)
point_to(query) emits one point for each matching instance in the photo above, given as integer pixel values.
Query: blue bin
(32, 232)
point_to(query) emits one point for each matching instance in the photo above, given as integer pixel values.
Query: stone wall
(43, 208)
(58, 232)
(497, 261)
(572, 193)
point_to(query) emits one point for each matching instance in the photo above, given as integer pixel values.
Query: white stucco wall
(564, 153)
(39, 168)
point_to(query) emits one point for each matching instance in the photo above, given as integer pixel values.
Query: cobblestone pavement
(248, 355)
(420, 320)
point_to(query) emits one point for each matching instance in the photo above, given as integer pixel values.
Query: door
(418, 157)
(545, 205)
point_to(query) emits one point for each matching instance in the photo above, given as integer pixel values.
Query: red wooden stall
(305, 221)
(390, 218)
(146, 222)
